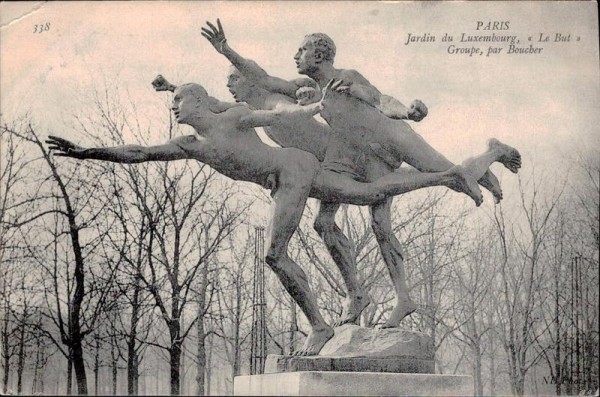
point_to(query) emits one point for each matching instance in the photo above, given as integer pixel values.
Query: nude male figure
(315, 59)
(308, 134)
(224, 139)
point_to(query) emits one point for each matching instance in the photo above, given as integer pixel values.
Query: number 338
(41, 28)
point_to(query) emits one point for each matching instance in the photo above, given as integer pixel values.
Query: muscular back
(365, 127)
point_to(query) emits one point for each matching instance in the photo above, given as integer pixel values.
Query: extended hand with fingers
(215, 35)
(65, 148)
(340, 86)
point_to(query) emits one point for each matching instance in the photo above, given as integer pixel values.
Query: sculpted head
(190, 102)
(240, 87)
(316, 48)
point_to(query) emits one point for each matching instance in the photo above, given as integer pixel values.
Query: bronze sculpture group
(354, 159)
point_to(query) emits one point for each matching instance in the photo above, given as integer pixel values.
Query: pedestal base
(277, 364)
(315, 383)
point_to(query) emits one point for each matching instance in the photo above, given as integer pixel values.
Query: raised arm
(247, 67)
(121, 154)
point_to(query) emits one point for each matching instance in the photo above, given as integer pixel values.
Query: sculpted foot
(462, 181)
(315, 341)
(509, 156)
(403, 309)
(491, 183)
(352, 308)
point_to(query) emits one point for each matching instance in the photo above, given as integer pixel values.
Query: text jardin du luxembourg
(488, 32)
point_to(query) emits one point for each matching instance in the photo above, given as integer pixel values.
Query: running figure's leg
(332, 186)
(395, 141)
(391, 250)
(425, 158)
(294, 184)
(344, 256)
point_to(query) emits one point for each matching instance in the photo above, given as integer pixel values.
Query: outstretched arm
(121, 154)
(247, 67)
(263, 118)
(353, 83)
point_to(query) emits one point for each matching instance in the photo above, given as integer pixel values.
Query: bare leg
(342, 252)
(286, 211)
(396, 141)
(404, 180)
(391, 250)
(331, 186)
(425, 158)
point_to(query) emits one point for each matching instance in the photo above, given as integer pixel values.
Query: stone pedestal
(351, 340)
(358, 349)
(331, 383)
(275, 364)
(358, 362)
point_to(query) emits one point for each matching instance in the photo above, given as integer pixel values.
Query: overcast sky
(543, 104)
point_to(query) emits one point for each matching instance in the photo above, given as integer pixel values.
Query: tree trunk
(115, 377)
(175, 362)
(21, 354)
(6, 375)
(38, 374)
(70, 372)
(36, 368)
(132, 369)
(132, 354)
(492, 368)
(557, 351)
(40, 387)
(201, 358)
(520, 386)
(182, 370)
(208, 365)
(96, 364)
(477, 371)
(237, 354)
(5, 352)
(201, 367)
(79, 366)
(75, 335)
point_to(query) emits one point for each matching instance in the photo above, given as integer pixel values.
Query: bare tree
(233, 309)
(13, 172)
(522, 279)
(65, 199)
(183, 207)
(474, 278)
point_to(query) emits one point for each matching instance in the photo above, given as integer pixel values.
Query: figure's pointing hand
(64, 148)
(215, 35)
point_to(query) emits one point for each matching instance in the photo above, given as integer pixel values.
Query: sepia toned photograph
(292, 198)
